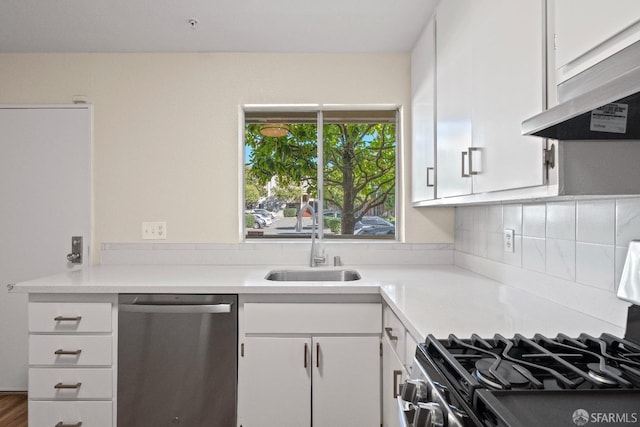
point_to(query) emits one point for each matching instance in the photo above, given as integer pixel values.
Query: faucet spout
(315, 258)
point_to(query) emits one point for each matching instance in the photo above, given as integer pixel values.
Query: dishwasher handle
(176, 308)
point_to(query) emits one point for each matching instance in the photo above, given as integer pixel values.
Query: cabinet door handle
(396, 374)
(317, 355)
(67, 318)
(471, 151)
(390, 335)
(62, 352)
(464, 163)
(67, 386)
(306, 353)
(61, 424)
(429, 183)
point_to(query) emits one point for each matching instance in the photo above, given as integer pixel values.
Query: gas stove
(523, 382)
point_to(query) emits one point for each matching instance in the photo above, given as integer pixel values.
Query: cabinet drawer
(89, 383)
(410, 353)
(69, 317)
(91, 414)
(394, 331)
(312, 318)
(70, 350)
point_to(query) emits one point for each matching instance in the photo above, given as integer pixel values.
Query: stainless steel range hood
(600, 103)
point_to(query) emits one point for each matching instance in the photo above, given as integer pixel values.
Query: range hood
(601, 103)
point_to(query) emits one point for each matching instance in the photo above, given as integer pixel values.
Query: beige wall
(166, 128)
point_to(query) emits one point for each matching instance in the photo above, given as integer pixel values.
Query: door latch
(75, 257)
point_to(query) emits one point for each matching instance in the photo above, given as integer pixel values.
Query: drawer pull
(67, 386)
(390, 335)
(306, 352)
(396, 375)
(61, 424)
(67, 319)
(61, 352)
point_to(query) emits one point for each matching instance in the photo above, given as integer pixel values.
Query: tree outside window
(358, 171)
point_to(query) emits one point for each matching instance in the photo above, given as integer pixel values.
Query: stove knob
(428, 415)
(414, 391)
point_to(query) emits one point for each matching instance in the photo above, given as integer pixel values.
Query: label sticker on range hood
(610, 118)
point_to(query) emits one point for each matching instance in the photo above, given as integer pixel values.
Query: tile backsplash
(583, 242)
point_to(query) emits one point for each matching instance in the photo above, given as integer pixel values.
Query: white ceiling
(223, 25)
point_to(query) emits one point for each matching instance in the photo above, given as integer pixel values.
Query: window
(340, 163)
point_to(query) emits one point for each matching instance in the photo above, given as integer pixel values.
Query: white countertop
(436, 300)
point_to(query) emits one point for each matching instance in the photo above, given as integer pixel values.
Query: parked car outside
(372, 221)
(376, 230)
(266, 218)
(260, 222)
(265, 212)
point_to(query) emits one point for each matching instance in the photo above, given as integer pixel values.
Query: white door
(346, 381)
(274, 382)
(45, 188)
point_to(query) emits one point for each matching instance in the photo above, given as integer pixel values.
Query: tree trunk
(348, 215)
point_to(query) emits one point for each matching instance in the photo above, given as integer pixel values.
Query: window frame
(319, 110)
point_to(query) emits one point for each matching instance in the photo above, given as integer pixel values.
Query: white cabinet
(588, 31)
(71, 355)
(489, 77)
(453, 97)
(423, 81)
(274, 382)
(393, 374)
(398, 349)
(309, 364)
(507, 87)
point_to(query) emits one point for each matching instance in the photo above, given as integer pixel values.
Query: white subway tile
(561, 258)
(480, 244)
(494, 224)
(596, 221)
(534, 254)
(595, 265)
(627, 221)
(561, 220)
(480, 218)
(533, 220)
(512, 217)
(494, 246)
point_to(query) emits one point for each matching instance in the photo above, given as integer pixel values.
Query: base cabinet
(393, 374)
(71, 358)
(314, 365)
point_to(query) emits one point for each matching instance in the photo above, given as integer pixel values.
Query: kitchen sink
(313, 275)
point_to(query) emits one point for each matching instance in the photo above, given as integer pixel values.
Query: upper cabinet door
(588, 31)
(507, 87)
(453, 100)
(423, 88)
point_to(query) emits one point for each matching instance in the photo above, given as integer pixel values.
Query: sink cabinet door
(346, 381)
(274, 383)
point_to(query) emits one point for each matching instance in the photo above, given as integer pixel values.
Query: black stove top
(538, 381)
(541, 363)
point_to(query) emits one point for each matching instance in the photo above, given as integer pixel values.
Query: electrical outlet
(508, 240)
(154, 230)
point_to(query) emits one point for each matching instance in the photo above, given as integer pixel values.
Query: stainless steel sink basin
(313, 275)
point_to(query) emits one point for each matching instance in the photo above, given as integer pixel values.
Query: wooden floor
(13, 410)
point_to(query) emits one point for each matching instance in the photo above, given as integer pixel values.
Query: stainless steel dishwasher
(177, 360)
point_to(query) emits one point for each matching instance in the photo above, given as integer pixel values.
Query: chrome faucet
(315, 258)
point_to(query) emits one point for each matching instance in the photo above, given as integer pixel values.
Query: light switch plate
(508, 240)
(154, 230)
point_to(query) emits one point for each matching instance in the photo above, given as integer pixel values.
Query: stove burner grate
(501, 374)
